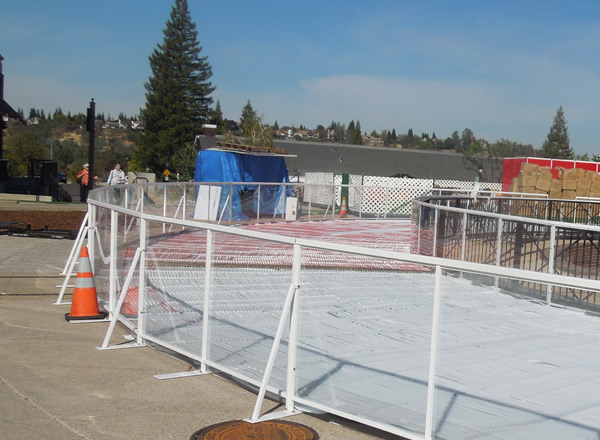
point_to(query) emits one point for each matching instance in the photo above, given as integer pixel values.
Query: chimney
(209, 130)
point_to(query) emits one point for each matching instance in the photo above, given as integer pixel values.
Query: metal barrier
(369, 346)
(549, 236)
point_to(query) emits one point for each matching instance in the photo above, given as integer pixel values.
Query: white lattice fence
(392, 195)
(380, 195)
(318, 188)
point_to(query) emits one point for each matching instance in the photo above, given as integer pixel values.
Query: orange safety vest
(85, 176)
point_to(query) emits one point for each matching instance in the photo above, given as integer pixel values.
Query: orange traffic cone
(344, 209)
(85, 301)
(130, 303)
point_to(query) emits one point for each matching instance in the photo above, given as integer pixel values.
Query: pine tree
(247, 119)
(350, 132)
(357, 135)
(557, 142)
(217, 118)
(177, 94)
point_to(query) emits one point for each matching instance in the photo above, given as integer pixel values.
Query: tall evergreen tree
(177, 94)
(357, 135)
(217, 118)
(557, 144)
(350, 132)
(247, 119)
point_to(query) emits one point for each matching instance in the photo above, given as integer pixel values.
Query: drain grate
(241, 430)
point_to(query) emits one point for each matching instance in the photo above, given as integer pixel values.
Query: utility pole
(91, 128)
(2, 122)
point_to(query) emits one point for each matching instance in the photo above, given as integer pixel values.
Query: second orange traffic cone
(85, 301)
(130, 304)
(344, 209)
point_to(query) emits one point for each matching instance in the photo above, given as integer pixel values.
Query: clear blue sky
(499, 68)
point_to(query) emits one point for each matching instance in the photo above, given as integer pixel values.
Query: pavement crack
(47, 413)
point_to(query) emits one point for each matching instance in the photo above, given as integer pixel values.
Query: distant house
(137, 125)
(372, 141)
(114, 124)
(302, 134)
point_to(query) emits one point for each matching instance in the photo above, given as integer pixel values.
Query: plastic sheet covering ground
(508, 368)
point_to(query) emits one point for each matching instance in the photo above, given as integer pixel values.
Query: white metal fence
(368, 346)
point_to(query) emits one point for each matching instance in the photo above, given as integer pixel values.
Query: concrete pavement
(55, 384)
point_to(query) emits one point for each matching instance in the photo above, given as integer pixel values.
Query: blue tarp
(224, 166)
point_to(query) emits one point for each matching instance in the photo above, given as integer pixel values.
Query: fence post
(499, 241)
(142, 282)
(141, 202)
(333, 200)
(206, 310)
(498, 247)
(419, 227)
(433, 350)
(184, 203)
(551, 257)
(164, 225)
(126, 205)
(293, 332)
(435, 230)
(112, 292)
(91, 234)
(230, 203)
(463, 244)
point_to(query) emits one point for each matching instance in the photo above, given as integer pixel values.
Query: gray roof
(368, 161)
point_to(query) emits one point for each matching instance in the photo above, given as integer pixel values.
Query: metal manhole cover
(241, 430)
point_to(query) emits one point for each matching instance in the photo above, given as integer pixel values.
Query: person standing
(83, 179)
(116, 176)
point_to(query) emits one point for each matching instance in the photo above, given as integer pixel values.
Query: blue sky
(501, 69)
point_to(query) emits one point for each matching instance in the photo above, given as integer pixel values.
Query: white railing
(232, 315)
(498, 231)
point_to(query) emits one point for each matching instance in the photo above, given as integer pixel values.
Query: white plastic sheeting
(508, 368)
